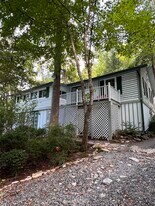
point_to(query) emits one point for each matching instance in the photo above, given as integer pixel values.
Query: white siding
(131, 113)
(147, 116)
(42, 119)
(115, 117)
(146, 100)
(130, 89)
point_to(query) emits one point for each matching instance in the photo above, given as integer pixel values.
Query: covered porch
(107, 92)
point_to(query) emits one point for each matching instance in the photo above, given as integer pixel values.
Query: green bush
(30, 132)
(69, 131)
(37, 149)
(62, 137)
(12, 140)
(152, 125)
(130, 129)
(58, 158)
(13, 161)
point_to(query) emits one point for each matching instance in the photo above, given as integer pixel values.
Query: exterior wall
(148, 104)
(104, 121)
(147, 99)
(147, 115)
(130, 87)
(131, 113)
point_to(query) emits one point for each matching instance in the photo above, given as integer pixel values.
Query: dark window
(33, 95)
(25, 97)
(73, 89)
(111, 81)
(101, 83)
(145, 88)
(119, 83)
(18, 98)
(42, 93)
(47, 92)
(62, 92)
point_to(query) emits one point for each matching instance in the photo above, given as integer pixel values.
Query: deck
(100, 93)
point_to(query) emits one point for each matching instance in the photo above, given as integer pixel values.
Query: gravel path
(120, 177)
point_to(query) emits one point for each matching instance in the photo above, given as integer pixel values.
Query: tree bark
(54, 117)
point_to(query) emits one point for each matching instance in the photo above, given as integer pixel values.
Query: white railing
(100, 93)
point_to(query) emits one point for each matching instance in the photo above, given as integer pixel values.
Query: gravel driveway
(121, 177)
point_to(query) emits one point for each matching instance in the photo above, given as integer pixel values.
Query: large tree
(40, 30)
(132, 29)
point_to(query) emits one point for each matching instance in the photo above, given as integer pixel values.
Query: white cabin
(120, 98)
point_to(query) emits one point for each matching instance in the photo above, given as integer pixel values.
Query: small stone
(122, 176)
(134, 159)
(129, 165)
(37, 174)
(107, 181)
(138, 139)
(22, 180)
(97, 157)
(15, 182)
(27, 178)
(95, 176)
(52, 170)
(102, 195)
(74, 184)
(97, 146)
(150, 151)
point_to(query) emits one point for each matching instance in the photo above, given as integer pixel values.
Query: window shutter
(119, 83)
(47, 92)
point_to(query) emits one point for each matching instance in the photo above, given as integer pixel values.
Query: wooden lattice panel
(61, 115)
(100, 120)
(70, 115)
(80, 120)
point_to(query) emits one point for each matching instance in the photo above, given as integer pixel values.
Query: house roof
(102, 76)
(114, 73)
(38, 87)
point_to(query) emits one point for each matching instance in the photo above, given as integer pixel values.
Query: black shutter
(119, 83)
(47, 92)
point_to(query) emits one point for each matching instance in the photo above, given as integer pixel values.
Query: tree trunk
(86, 129)
(54, 117)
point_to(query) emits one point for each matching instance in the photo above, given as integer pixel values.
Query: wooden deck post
(109, 91)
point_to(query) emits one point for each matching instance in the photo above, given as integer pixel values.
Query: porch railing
(100, 93)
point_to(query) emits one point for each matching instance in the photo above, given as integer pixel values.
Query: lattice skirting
(104, 119)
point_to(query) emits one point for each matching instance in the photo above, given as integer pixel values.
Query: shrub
(13, 161)
(12, 140)
(37, 149)
(69, 131)
(152, 124)
(58, 158)
(30, 132)
(130, 129)
(62, 137)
